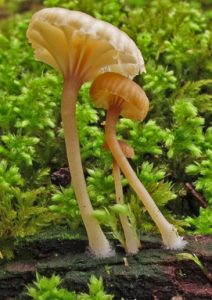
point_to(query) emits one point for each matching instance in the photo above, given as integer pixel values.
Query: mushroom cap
(126, 149)
(114, 89)
(77, 44)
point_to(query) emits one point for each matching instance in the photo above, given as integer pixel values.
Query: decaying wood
(199, 198)
(154, 273)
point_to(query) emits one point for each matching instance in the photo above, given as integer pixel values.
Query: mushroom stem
(170, 237)
(98, 243)
(131, 242)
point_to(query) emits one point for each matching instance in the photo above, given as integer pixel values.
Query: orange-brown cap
(77, 44)
(111, 88)
(126, 149)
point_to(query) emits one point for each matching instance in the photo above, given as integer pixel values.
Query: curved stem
(98, 243)
(132, 243)
(168, 231)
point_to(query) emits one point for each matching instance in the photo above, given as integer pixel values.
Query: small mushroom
(81, 47)
(132, 243)
(120, 95)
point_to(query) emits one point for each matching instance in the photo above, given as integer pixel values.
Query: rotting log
(154, 273)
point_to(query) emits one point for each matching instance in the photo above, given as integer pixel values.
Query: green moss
(174, 38)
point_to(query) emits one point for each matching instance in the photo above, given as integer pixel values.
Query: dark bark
(154, 273)
(197, 196)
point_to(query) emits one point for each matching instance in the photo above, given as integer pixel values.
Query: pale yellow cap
(78, 44)
(111, 88)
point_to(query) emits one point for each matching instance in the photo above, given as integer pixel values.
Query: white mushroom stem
(98, 243)
(170, 237)
(131, 241)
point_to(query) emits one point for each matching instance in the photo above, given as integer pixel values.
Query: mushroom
(81, 47)
(120, 95)
(132, 244)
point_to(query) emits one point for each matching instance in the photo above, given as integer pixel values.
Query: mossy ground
(172, 148)
(153, 272)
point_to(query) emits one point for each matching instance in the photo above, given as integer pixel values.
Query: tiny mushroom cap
(111, 89)
(132, 243)
(78, 44)
(126, 149)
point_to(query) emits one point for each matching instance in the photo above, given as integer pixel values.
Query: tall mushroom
(132, 243)
(81, 47)
(120, 95)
